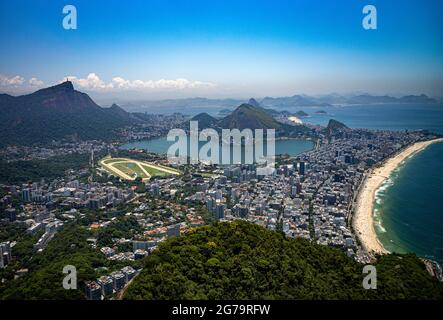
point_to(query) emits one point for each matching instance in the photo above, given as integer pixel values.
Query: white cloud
(93, 82)
(34, 82)
(19, 83)
(11, 82)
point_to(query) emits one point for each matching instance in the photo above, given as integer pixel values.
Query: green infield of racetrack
(129, 169)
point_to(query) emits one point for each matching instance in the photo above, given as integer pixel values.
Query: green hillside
(240, 260)
(55, 113)
(247, 116)
(205, 120)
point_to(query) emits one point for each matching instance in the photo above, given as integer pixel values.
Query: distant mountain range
(333, 99)
(368, 99)
(245, 116)
(288, 103)
(205, 121)
(249, 116)
(57, 112)
(182, 105)
(62, 112)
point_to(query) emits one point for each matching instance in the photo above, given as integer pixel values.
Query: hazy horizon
(123, 96)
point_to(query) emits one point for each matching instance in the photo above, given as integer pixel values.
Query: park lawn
(124, 168)
(155, 172)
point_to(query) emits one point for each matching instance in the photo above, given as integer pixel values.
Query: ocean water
(409, 206)
(382, 116)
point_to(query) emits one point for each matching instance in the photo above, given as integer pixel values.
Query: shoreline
(362, 220)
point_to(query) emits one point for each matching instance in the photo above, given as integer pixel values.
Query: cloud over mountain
(92, 82)
(95, 83)
(6, 81)
(19, 84)
(35, 82)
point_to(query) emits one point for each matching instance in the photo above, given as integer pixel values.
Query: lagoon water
(161, 145)
(409, 209)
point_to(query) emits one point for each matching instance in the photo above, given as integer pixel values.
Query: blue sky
(169, 49)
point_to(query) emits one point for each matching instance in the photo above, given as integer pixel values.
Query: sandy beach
(362, 219)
